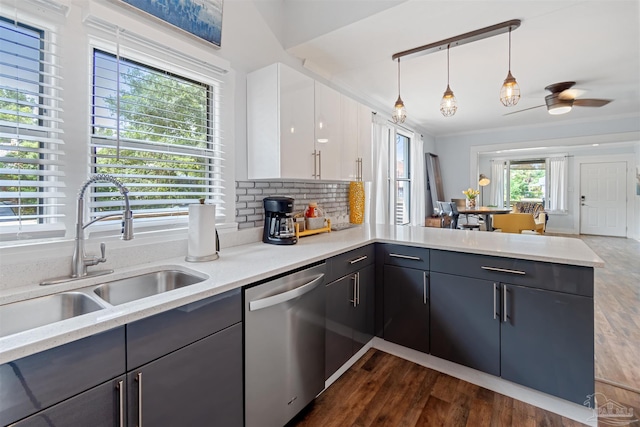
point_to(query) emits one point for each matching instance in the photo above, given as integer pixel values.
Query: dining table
(485, 212)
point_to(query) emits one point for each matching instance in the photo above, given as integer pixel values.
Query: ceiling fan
(563, 98)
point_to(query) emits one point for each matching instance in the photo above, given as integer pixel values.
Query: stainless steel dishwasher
(284, 346)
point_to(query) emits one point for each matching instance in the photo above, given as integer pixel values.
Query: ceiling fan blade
(571, 94)
(591, 102)
(526, 109)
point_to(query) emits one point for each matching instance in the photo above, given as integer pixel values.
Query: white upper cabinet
(298, 128)
(350, 158)
(280, 124)
(328, 132)
(365, 144)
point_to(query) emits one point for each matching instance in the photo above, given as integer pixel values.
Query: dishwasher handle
(285, 296)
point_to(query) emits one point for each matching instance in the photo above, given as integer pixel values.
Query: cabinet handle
(503, 270)
(139, 380)
(355, 284)
(412, 258)
(120, 388)
(424, 287)
(495, 289)
(319, 164)
(362, 258)
(358, 286)
(504, 303)
(315, 169)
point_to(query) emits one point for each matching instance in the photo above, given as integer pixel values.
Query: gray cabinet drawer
(156, 336)
(541, 275)
(406, 256)
(349, 262)
(98, 407)
(41, 380)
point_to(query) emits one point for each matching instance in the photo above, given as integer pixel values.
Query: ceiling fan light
(448, 105)
(510, 91)
(559, 109)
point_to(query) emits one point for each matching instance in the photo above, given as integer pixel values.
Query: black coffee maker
(278, 221)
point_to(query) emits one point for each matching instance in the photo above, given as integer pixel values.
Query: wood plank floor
(383, 390)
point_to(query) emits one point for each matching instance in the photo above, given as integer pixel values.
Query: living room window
(31, 173)
(158, 133)
(526, 181)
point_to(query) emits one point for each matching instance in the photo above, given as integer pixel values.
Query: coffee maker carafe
(278, 221)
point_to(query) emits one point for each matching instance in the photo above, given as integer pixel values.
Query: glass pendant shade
(399, 112)
(510, 91)
(448, 105)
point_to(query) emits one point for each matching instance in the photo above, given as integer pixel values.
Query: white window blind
(159, 134)
(31, 145)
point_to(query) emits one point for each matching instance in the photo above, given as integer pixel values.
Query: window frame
(394, 175)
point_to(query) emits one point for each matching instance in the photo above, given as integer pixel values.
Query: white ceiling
(595, 43)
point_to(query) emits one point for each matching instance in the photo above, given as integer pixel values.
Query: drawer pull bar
(121, 402)
(424, 287)
(495, 290)
(139, 379)
(412, 258)
(504, 303)
(362, 258)
(503, 270)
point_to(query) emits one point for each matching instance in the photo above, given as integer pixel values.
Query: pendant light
(399, 112)
(448, 105)
(510, 91)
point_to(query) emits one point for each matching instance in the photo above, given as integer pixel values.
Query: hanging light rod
(461, 39)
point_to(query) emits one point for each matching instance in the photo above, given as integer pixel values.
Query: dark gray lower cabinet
(101, 406)
(198, 385)
(406, 307)
(547, 341)
(465, 321)
(349, 312)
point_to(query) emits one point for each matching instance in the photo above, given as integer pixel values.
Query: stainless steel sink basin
(24, 315)
(145, 285)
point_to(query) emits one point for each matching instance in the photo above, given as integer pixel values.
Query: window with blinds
(30, 131)
(158, 133)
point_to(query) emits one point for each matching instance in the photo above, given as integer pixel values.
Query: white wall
(461, 160)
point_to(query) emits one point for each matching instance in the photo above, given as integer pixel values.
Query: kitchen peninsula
(511, 269)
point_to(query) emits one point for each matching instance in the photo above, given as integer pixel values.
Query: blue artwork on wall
(202, 18)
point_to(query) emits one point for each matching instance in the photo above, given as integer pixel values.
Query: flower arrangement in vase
(471, 197)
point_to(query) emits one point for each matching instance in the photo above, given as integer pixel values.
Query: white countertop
(242, 265)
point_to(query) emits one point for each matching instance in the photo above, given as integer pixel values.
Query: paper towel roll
(202, 233)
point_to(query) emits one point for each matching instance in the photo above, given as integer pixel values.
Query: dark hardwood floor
(384, 390)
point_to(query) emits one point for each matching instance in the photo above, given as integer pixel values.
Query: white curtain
(557, 167)
(379, 212)
(497, 183)
(418, 180)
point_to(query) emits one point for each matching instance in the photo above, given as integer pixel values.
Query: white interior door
(603, 199)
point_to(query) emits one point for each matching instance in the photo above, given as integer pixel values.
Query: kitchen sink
(145, 285)
(24, 315)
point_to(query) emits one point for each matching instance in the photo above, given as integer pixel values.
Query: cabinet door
(296, 124)
(547, 341)
(363, 321)
(349, 138)
(101, 406)
(365, 142)
(338, 334)
(327, 131)
(198, 385)
(406, 307)
(465, 321)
